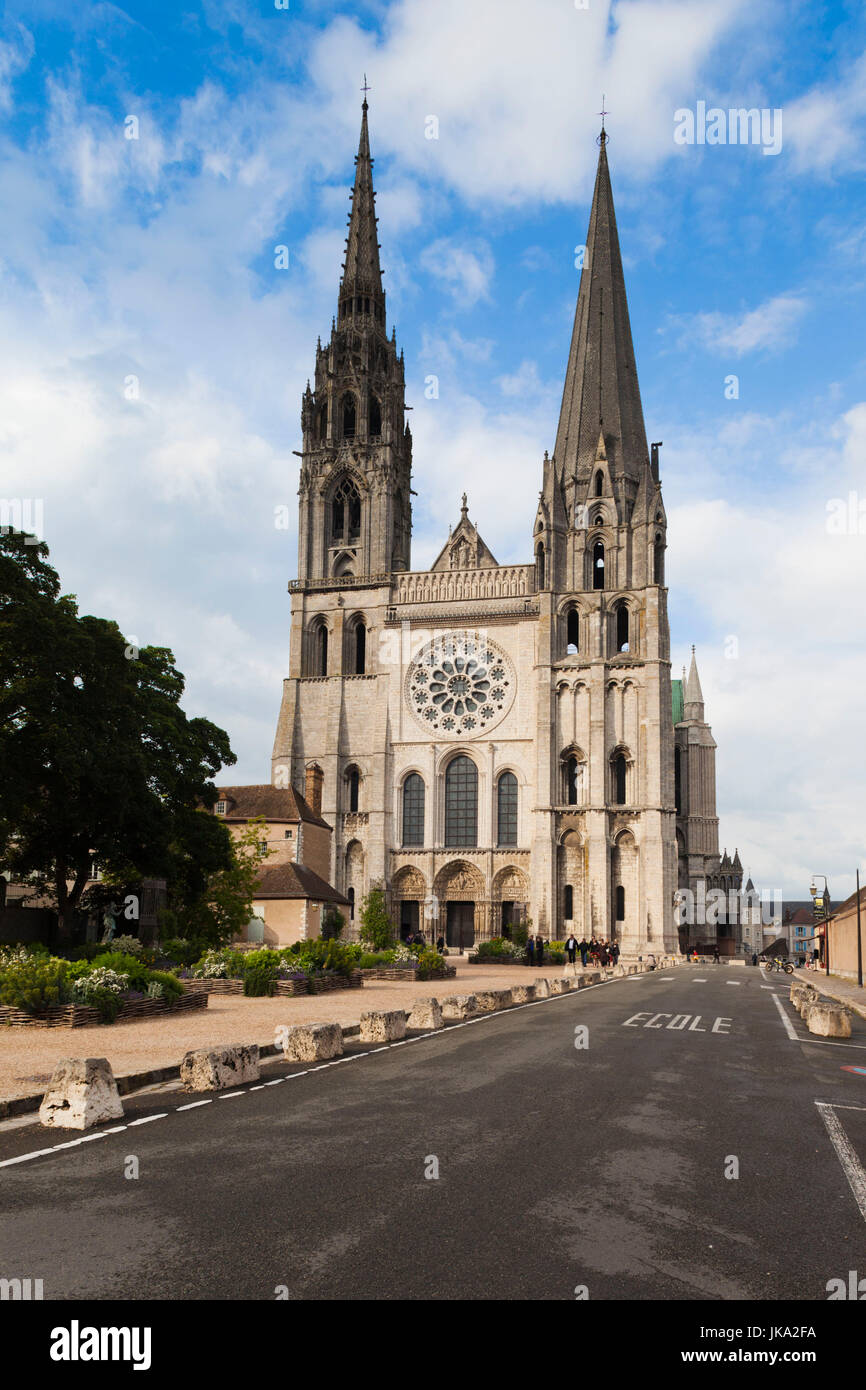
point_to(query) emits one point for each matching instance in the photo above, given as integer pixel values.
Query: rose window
(460, 684)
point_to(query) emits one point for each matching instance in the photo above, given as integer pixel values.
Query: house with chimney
(293, 893)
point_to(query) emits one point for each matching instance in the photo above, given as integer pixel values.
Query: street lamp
(821, 909)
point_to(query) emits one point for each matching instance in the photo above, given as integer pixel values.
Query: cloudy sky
(152, 356)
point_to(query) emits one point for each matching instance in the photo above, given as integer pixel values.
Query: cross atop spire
(603, 136)
(365, 89)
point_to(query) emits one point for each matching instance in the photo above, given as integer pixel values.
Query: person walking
(614, 953)
(440, 945)
(530, 950)
(583, 947)
(539, 949)
(571, 951)
(754, 958)
(716, 955)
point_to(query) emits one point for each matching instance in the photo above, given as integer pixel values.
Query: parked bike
(779, 966)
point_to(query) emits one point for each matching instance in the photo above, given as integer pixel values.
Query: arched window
(321, 650)
(598, 565)
(461, 803)
(348, 408)
(569, 902)
(573, 780)
(619, 778)
(539, 567)
(659, 561)
(620, 903)
(622, 628)
(345, 513)
(351, 896)
(599, 483)
(413, 810)
(572, 634)
(360, 653)
(506, 818)
(678, 782)
(353, 787)
(375, 415)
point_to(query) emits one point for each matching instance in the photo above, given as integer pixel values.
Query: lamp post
(859, 938)
(821, 909)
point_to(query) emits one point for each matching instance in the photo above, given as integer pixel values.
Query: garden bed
(282, 988)
(405, 972)
(84, 1016)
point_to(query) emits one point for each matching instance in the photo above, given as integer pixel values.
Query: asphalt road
(560, 1167)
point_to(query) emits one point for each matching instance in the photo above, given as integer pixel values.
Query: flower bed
(406, 972)
(84, 1016)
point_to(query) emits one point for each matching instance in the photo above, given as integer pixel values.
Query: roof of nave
(261, 799)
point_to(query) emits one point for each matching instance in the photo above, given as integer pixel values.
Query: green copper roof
(678, 708)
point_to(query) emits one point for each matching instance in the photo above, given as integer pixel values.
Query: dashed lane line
(789, 1027)
(278, 1081)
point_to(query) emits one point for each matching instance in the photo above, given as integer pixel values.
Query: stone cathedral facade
(494, 743)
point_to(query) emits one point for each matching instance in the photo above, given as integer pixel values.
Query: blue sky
(152, 357)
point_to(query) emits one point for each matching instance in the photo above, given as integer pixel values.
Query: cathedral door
(408, 920)
(460, 927)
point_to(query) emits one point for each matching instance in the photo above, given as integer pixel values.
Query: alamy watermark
(735, 126)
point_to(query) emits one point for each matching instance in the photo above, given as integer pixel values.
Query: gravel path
(28, 1055)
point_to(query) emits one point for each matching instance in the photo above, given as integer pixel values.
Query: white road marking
(278, 1081)
(229, 1095)
(769, 987)
(699, 980)
(851, 1165)
(789, 1027)
(737, 983)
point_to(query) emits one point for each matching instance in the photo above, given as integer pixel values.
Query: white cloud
(465, 270)
(770, 326)
(825, 127)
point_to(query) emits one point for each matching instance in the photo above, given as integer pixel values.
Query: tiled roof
(274, 803)
(295, 881)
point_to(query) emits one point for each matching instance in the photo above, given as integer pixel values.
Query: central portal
(460, 926)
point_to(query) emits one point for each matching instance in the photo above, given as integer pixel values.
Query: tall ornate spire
(361, 293)
(601, 393)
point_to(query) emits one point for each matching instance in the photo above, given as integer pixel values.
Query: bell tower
(355, 512)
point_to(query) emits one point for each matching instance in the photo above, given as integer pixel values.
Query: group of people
(598, 952)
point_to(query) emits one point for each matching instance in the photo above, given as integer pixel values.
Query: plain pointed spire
(694, 696)
(601, 392)
(361, 290)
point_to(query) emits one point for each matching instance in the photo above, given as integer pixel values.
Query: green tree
(377, 929)
(98, 758)
(223, 905)
(333, 923)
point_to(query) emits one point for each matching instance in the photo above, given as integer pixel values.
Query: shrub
(127, 946)
(499, 948)
(431, 965)
(34, 983)
(121, 964)
(260, 972)
(86, 952)
(169, 984)
(370, 959)
(101, 988)
(180, 950)
(220, 965)
(333, 923)
(377, 929)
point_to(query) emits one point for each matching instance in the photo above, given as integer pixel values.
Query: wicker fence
(84, 1016)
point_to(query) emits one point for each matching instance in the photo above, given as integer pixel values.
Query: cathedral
(495, 743)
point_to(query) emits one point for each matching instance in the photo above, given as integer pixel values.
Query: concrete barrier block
(459, 1006)
(82, 1093)
(219, 1068)
(523, 994)
(383, 1026)
(426, 1014)
(562, 985)
(310, 1042)
(542, 989)
(828, 1019)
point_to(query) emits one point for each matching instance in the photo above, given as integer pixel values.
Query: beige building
(293, 890)
(494, 741)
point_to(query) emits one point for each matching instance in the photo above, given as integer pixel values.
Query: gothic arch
(317, 640)
(409, 884)
(355, 632)
(570, 885)
(459, 881)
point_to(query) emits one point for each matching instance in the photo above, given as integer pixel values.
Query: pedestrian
(539, 949)
(440, 945)
(754, 958)
(602, 953)
(530, 950)
(614, 953)
(583, 947)
(571, 951)
(716, 955)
